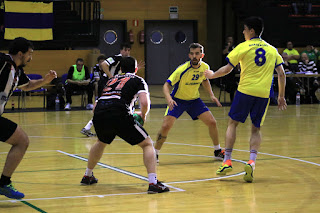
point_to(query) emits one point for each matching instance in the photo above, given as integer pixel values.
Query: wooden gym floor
(286, 176)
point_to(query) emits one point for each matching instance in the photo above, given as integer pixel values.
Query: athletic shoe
(157, 158)
(68, 107)
(86, 180)
(219, 154)
(87, 132)
(157, 188)
(10, 192)
(224, 168)
(249, 167)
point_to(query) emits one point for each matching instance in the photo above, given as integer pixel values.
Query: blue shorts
(244, 104)
(194, 108)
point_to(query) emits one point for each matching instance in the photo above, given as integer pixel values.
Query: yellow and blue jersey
(258, 59)
(186, 81)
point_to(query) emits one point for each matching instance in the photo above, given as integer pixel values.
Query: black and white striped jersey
(114, 64)
(121, 92)
(11, 77)
(309, 67)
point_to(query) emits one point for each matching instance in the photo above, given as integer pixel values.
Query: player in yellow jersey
(185, 96)
(258, 60)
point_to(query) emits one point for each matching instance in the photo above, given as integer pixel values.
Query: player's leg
(239, 111)
(149, 160)
(15, 136)
(135, 134)
(208, 119)
(170, 117)
(167, 124)
(230, 141)
(257, 114)
(95, 155)
(86, 130)
(105, 135)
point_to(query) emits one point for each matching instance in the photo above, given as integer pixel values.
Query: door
(167, 46)
(112, 34)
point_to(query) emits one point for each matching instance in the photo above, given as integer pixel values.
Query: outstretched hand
(141, 65)
(50, 76)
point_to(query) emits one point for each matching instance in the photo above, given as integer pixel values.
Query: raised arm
(219, 73)
(34, 84)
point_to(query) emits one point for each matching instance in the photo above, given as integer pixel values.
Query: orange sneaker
(224, 168)
(249, 167)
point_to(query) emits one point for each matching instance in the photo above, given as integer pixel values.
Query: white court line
(73, 197)
(116, 169)
(280, 156)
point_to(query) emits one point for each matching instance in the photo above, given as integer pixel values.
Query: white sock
(89, 125)
(152, 178)
(216, 147)
(157, 151)
(88, 172)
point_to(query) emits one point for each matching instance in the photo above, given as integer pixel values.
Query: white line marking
(115, 169)
(280, 156)
(72, 197)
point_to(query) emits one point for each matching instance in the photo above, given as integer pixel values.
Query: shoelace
(11, 187)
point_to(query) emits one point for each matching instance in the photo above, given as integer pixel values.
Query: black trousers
(71, 88)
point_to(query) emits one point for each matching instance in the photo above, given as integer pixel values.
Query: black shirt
(11, 76)
(121, 92)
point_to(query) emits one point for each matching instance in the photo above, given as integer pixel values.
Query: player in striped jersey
(12, 76)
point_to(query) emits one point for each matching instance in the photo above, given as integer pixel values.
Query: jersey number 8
(260, 58)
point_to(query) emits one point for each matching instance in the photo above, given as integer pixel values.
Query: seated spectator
(292, 84)
(98, 73)
(307, 66)
(285, 58)
(78, 80)
(293, 57)
(312, 53)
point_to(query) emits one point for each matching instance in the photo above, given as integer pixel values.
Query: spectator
(78, 80)
(229, 81)
(307, 66)
(292, 84)
(312, 53)
(293, 57)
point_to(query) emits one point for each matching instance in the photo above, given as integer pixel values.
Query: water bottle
(298, 98)
(57, 101)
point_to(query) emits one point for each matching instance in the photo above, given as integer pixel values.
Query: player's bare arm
(219, 73)
(144, 101)
(34, 84)
(282, 105)
(166, 91)
(207, 86)
(105, 68)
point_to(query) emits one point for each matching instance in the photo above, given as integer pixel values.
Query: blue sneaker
(10, 192)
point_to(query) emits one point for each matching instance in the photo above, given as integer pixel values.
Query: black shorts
(109, 124)
(7, 128)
